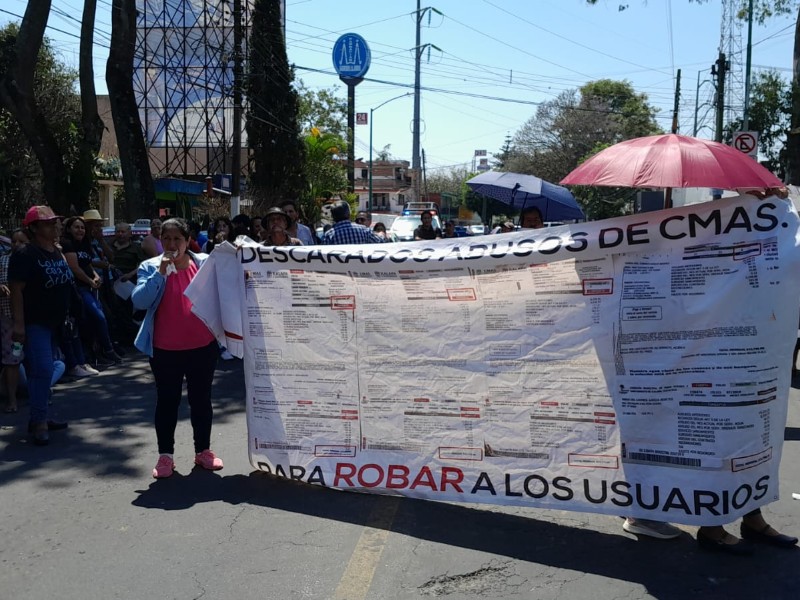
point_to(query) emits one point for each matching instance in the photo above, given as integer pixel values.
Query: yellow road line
(357, 577)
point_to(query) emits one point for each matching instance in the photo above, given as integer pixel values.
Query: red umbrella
(672, 161)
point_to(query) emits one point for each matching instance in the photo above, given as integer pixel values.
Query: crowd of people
(70, 302)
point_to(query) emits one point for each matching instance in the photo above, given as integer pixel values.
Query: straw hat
(93, 215)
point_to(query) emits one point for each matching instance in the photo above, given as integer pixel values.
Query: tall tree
(322, 109)
(82, 179)
(565, 130)
(139, 190)
(54, 88)
(324, 170)
(770, 114)
(272, 128)
(17, 95)
(762, 11)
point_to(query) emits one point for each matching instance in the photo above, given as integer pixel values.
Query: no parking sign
(747, 142)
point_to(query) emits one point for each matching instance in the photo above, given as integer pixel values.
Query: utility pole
(668, 193)
(718, 70)
(236, 158)
(415, 138)
(747, 65)
(418, 49)
(424, 181)
(677, 102)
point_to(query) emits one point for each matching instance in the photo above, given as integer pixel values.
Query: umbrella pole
(667, 198)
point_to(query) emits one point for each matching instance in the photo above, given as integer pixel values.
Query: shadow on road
(102, 411)
(667, 569)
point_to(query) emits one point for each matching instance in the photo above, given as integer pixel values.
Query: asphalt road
(83, 519)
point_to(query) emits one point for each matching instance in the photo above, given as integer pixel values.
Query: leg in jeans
(167, 370)
(39, 356)
(96, 316)
(59, 368)
(72, 348)
(200, 366)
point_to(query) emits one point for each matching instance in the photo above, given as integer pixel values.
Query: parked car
(415, 208)
(139, 229)
(476, 229)
(402, 229)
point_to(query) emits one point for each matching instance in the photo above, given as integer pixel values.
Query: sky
(490, 63)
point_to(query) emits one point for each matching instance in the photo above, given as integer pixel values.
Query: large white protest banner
(638, 366)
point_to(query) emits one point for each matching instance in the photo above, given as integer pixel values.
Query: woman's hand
(167, 259)
(96, 282)
(4, 291)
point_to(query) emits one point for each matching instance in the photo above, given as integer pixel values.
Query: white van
(415, 208)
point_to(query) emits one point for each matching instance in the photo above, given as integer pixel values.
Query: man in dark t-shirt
(426, 231)
(127, 254)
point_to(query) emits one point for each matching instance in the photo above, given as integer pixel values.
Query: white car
(402, 229)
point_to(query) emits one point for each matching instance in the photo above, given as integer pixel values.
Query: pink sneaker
(208, 460)
(164, 467)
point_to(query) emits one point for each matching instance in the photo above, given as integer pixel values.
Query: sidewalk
(83, 519)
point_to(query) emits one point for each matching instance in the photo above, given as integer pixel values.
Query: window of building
(380, 201)
(364, 173)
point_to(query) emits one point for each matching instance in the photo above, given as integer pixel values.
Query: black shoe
(39, 435)
(52, 425)
(741, 548)
(112, 356)
(754, 535)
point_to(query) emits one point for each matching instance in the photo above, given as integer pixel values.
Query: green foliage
(770, 115)
(54, 87)
(272, 127)
(322, 109)
(383, 154)
(565, 130)
(324, 170)
(762, 9)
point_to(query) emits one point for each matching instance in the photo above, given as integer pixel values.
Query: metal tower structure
(730, 43)
(183, 80)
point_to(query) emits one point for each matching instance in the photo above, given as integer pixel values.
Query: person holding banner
(531, 218)
(754, 529)
(179, 345)
(344, 231)
(426, 230)
(276, 229)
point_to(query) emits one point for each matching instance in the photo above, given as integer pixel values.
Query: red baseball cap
(39, 213)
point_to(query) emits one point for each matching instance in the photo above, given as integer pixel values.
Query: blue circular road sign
(351, 56)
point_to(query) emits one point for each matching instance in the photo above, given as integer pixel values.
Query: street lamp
(371, 110)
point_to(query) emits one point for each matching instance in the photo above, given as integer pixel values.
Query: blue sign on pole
(351, 56)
